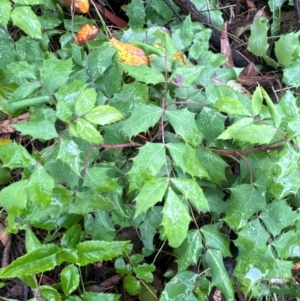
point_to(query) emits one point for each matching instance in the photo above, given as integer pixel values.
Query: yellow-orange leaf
(86, 33)
(80, 6)
(130, 54)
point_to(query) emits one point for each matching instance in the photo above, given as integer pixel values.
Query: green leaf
(219, 275)
(244, 201)
(184, 124)
(131, 285)
(214, 239)
(22, 70)
(144, 74)
(185, 157)
(69, 278)
(142, 118)
(87, 131)
(41, 125)
(71, 237)
(136, 14)
(39, 260)
(29, 102)
(180, 287)
(85, 101)
(54, 73)
(272, 108)
(189, 251)
(147, 164)
(290, 74)
(285, 55)
(212, 163)
(278, 215)
(24, 18)
(192, 191)
(151, 192)
(243, 130)
(176, 219)
(287, 245)
(14, 155)
(40, 186)
(15, 197)
(103, 115)
(232, 106)
(29, 2)
(31, 241)
(183, 35)
(49, 293)
(70, 154)
(94, 251)
(189, 74)
(89, 296)
(256, 101)
(5, 12)
(144, 271)
(258, 40)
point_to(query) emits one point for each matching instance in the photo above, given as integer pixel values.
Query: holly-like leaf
(94, 251)
(103, 115)
(151, 192)
(278, 215)
(136, 13)
(184, 124)
(214, 239)
(141, 119)
(23, 70)
(54, 73)
(232, 106)
(85, 101)
(24, 18)
(191, 190)
(6, 10)
(41, 125)
(189, 251)
(244, 201)
(220, 278)
(40, 260)
(40, 186)
(256, 101)
(290, 74)
(272, 108)
(88, 132)
(176, 219)
(287, 245)
(69, 278)
(147, 164)
(14, 155)
(185, 157)
(144, 74)
(258, 40)
(144, 271)
(71, 237)
(180, 287)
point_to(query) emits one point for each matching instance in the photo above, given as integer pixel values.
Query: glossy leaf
(256, 101)
(136, 14)
(31, 241)
(39, 260)
(180, 287)
(49, 293)
(94, 251)
(185, 157)
(6, 10)
(176, 219)
(220, 278)
(272, 108)
(144, 271)
(183, 122)
(151, 192)
(14, 155)
(90, 296)
(131, 285)
(69, 278)
(232, 106)
(192, 191)
(87, 131)
(85, 101)
(189, 251)
(71, 237)
(24, 18)
(103, 115)
(141, 119)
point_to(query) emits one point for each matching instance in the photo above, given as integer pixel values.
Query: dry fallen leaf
(86, 33)
(80, 6)
(130, 54)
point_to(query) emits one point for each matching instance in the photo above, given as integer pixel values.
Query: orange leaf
(86, 33)
(80, 6)
(130, 54)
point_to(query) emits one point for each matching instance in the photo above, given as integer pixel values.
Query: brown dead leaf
(225, 46)
(6, 126)
(130, 54)
(80, 6)
(86, 33)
